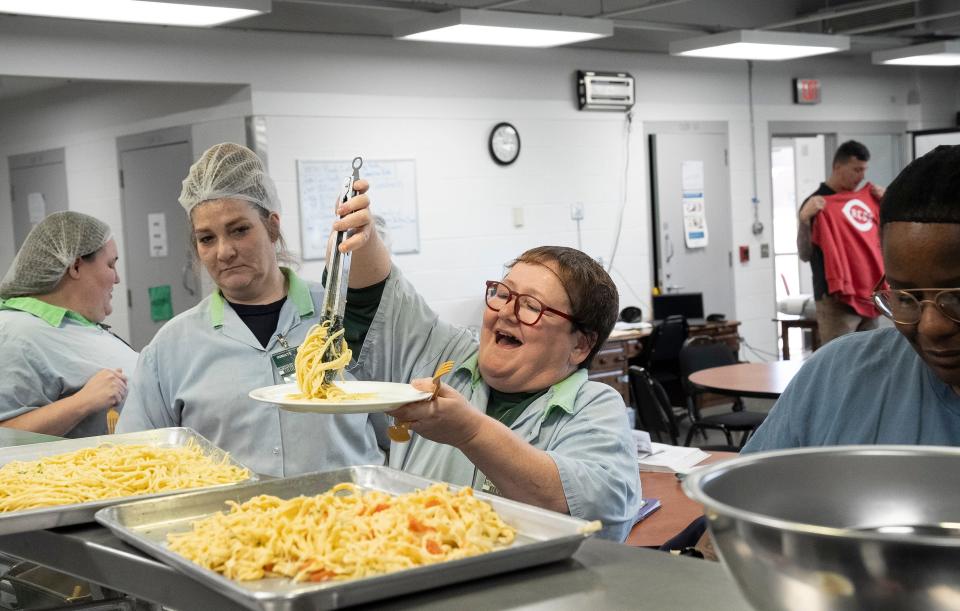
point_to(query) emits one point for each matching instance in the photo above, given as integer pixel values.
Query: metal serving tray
(78, 513)
(543, 536)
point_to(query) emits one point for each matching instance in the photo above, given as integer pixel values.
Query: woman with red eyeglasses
(892, 386)
(517, 416)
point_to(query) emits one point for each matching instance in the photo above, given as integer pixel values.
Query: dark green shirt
(361, 307)
(507, 407)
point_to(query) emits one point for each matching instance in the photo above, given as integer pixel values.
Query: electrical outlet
(576, 211)
(518, 217)
(764, 251)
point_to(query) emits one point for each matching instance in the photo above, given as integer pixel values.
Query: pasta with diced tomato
(342, 534)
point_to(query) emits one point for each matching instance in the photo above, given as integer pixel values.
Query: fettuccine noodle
(312, 370)
(342, 536)
(109, 471)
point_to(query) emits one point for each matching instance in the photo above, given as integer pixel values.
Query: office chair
(661, 355)
(654, 412)
(702, 353)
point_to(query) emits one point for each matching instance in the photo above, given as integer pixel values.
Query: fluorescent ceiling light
(478, 27)
(942, 53)
(197, 13)
(760, 45)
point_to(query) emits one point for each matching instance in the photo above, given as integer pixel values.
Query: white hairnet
(50, 248)
(229, 171)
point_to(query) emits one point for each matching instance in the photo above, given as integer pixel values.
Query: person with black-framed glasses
(518, 415)
(900, 385)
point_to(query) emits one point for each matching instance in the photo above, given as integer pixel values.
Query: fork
(400, 432)
(112, 417)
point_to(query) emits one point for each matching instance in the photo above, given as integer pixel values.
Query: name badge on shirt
(284, 366)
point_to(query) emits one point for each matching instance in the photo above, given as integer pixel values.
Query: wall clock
(504, 143)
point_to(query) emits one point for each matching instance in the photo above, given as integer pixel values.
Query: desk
(611, 363)
(757, 380)
(676, 511)
(788, 322)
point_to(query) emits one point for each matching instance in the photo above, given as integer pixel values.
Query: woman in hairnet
(62, 367)
(200, 366)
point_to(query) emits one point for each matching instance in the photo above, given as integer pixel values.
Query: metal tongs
(338, 268)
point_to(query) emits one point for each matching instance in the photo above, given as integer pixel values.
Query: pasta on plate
(110, 471)
(345, 533)
(322, 357)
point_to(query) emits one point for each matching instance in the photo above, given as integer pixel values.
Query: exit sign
(806, 91)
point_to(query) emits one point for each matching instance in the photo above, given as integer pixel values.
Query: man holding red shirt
(835, 314)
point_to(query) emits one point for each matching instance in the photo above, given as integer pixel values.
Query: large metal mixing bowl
(849, 527)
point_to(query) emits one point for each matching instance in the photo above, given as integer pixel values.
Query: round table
(757, 380)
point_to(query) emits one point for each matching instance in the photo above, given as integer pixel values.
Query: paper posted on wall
(694, 213)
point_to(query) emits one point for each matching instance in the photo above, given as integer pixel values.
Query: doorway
(38, 187)
(689, 173)
(161, 281)
(799, 162)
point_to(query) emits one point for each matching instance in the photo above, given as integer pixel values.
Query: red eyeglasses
(527, 308)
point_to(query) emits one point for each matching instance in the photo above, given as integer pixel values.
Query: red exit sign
(806, 91)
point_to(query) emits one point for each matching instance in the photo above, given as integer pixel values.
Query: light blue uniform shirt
(198, 370)
(869, 387)
(580, 424)
(48, 353)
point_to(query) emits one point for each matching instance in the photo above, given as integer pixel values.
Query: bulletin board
(393, 194)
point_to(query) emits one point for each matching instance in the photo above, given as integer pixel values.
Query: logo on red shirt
(859, 215)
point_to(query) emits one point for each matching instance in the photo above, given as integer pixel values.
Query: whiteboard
(924, 143)
(393, 196)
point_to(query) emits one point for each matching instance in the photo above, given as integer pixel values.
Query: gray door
(150, 179)
(38, 187)
(680, 268)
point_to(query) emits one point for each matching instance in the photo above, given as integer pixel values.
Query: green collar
(49, 313)
(297, 291)
(563, 394)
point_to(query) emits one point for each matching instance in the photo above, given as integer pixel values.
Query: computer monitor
(688, 305)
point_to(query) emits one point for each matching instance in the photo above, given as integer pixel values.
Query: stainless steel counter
(14, 437)
(601, 575)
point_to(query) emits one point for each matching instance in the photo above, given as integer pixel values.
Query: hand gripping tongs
(338, 273)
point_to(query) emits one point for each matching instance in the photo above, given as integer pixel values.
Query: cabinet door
(610, 367)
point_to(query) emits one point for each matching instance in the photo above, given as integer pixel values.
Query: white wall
(329, 97)
(86, 120)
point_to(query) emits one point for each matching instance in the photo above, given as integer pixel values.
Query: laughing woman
(518, 415)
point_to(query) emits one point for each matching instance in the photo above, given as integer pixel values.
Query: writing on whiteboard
(393, 194)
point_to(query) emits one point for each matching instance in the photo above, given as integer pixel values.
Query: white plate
(387, 396)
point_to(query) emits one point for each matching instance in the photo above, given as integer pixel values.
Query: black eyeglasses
(903, 307)
(527, 308)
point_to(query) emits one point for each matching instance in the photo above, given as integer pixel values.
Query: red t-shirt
(847, 230)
